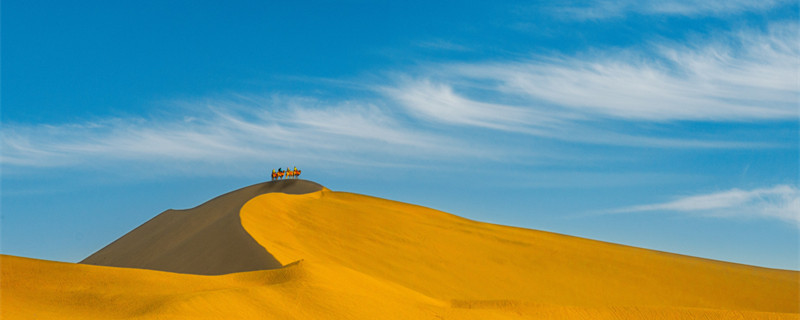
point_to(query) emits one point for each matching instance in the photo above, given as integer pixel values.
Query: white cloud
(604, 9)
(231, 132)
(604, 98)
(439, 103)
(440, 44)
(780, 202)
(744, 77)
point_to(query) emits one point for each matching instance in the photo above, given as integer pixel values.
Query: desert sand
(208, 239)
(337, 255)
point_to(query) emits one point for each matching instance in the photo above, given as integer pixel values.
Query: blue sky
(669, 125)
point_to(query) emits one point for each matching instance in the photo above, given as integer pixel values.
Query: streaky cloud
(612, 98)
(745, 76)
(231, 131)
(781, 202)
(609, 9)
(740, 77)
(437, 102)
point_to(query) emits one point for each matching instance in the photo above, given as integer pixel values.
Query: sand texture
(339, 255)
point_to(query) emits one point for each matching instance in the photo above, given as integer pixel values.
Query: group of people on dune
(289, 173)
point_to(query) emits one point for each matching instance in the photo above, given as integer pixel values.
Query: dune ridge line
(207, 240)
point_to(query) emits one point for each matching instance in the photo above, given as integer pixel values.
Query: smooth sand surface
(208, 239)
(351, 256)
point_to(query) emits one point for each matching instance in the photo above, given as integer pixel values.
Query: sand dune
(208, 239)
(349, 256)
(454, 259)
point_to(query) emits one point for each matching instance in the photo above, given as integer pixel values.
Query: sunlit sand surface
(347, 256)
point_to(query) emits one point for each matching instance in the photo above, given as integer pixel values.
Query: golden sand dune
(207, 239)
(348, 256)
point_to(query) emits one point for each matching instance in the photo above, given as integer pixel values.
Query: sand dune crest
(208, 239)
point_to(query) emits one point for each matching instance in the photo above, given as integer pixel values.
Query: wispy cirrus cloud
(440, 44)
(606, 9)
(242, 130)
(781, 202)
(601, 98)
(437, 102)
(744, 76)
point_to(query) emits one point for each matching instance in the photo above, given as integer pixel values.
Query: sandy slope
(208, 239)
(350, 256)
(473, 264)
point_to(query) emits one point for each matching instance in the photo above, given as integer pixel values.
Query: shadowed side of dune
(207, 240)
